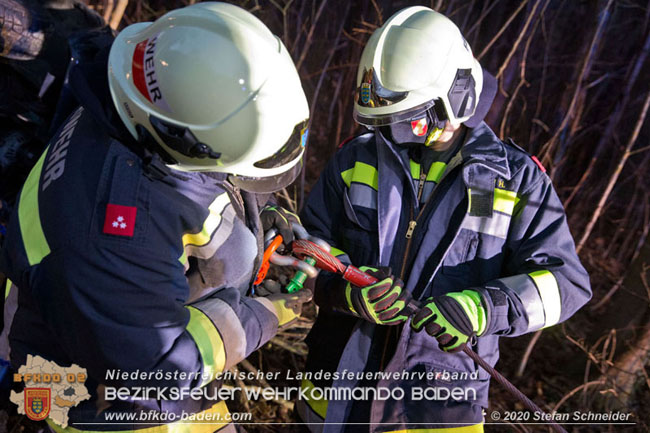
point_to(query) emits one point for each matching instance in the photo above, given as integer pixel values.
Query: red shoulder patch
(120, 220)
(539, 164)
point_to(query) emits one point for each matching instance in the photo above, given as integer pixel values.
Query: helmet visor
(372, 94)
(291, 149)
(268, 184)
(384, 119)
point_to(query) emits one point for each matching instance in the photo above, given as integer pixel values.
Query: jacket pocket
(359, 232)
(461, 253)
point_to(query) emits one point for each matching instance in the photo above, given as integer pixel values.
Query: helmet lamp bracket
(182, 140)
(462, 94)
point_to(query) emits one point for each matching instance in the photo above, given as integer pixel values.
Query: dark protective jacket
(35, 50)
(493, 223)
(97, 252)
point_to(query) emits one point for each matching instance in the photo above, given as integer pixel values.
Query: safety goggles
(435, 106)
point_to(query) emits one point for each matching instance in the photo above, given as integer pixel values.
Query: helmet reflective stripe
(421, 57)
(220, 88)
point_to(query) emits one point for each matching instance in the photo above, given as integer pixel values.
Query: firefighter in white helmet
(137, 237)
(441, 211)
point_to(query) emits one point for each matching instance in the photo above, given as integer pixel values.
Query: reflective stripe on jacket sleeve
(540, 297)
(227, 329)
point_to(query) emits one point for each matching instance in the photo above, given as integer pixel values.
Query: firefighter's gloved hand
(382, 302)
(288, 306)
(452, 319)
(276, 217)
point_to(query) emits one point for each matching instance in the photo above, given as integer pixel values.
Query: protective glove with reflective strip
(280, 219)
(452, 319)
(382, 302)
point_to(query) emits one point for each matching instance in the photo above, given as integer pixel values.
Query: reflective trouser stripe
(361, 173)
(312, 411)
(319, 406)
(29, 219)
(549, 292)
(209, 343)
(476, 428)
(209, 423)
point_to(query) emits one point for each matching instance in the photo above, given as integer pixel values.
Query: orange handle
(266, 259)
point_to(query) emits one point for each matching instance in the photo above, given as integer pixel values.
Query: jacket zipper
(409, 237)
(413, 222)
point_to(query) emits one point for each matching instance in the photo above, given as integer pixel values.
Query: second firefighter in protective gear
(471, 225)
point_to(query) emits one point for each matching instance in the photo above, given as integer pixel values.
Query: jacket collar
(483, 147)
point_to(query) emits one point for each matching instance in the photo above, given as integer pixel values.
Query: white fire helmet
(416, 61)
(216, 90)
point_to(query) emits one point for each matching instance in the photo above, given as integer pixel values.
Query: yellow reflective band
(348, 298)
(210, 224)
(317, 405)
(361, 173)
(29, 218)
(415, 169)
(476, 428)
(7, 288)
(336, 252)
(550, 294)
(436, 171)
(183, 258)
(209, 343)
(504, 200)
(207, 421)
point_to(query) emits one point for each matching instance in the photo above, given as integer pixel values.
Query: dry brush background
(573, 90)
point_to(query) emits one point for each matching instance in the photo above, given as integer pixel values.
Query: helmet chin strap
(438, 118)
(433, 136)
(404, 133)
